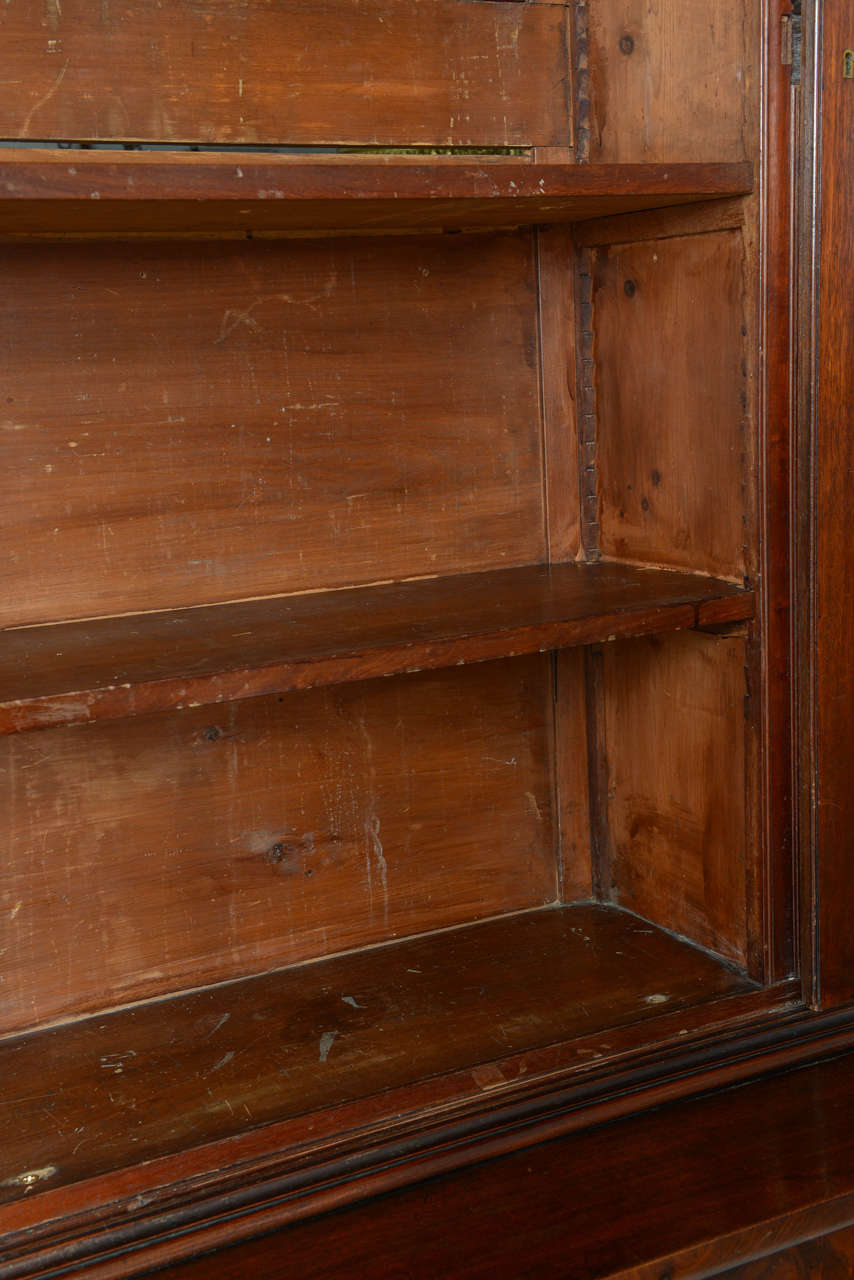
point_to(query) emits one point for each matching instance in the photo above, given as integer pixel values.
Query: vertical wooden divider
(563, 514)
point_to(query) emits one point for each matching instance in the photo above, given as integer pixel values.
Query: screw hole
(211, 734)
(630, 288)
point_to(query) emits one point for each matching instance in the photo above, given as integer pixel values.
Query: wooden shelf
(154, 1079)
(110, 667)
(129, 193)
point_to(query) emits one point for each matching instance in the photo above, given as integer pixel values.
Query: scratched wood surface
(186, 426)
(675, 769)
(81, 671)
(147, 1081)
(672, 81)
(133, 193)
(143, 856)
(672, 380)
(372, 72)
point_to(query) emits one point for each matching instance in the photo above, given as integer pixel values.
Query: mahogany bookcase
(414, 702)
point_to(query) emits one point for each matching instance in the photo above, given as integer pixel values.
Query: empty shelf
(110, 667)
(105, 193)
(154, 1079)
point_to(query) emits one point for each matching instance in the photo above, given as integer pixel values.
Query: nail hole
(627, 45)
(211, 734)
(630, 288)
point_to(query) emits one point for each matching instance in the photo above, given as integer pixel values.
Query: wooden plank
(829, 791)
(181, 849)
(690, 1203)
(672, 81)
(146, 1082)
(372, 72)
(144, 193)
(78, 672)
(675, 803)
(673, 402)
(556, 257)
(176, 419)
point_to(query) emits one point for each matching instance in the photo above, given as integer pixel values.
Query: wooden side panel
(147, 855)
(184, 425)
(675, 751)
(672, 402)
(374, 72)
(832, 789)
(672, 81)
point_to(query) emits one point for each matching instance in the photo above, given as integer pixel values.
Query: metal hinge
(791, 44)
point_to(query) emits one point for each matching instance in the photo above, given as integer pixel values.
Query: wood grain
(174, 850)
(831, 558)
(689, 1190)
(79, 672)
(675, 751)
(672, 81)
(192, 425)
(144, 1082)
(672, 402)
(372, 72)
(80, 193)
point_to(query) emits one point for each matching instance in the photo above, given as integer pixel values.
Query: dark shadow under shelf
(154, 1079)
(108, 193)
(78, 672)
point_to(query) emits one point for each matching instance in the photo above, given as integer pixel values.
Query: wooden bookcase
(396, 673)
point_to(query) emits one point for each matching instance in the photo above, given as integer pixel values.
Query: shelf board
(75, 672)
(153, 1079)
(144, 193)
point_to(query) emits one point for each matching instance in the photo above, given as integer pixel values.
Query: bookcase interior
(378, 712)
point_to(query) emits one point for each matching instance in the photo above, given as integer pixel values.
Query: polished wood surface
(172, 850)
(103, 192)
(84, 671)
(193, 424)
(832, 513)
(371, 72)
(132, 1085)
(709, 1187)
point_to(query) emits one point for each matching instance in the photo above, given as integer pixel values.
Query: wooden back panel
(371, 72)
(187, 423)
(153, 854)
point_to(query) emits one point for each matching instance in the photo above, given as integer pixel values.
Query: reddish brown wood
(122, 1088)
(169, 851)
(673, 81)
(777, 452)
(674, 788)
(109, 667)
(189, 424)
(686, 1191)
(831, 557)
(672, 402)
(102, 192)
(830, 1257)
(371, 72)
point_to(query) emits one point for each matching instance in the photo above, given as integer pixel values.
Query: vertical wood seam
(602, 858)
(581, 75)
(587, 424)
